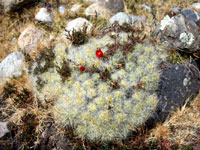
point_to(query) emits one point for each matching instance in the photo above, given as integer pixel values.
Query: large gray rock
(12, 5)
(178, 83)
(180, 33)
(12, 66)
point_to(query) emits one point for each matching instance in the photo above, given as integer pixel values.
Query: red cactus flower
(99, 53)
(82, 68)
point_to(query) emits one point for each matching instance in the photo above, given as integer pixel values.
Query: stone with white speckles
(179, 33)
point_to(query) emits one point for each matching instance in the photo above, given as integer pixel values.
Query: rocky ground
(38, 55)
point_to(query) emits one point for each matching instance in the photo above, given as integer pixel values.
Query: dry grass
(183, 126)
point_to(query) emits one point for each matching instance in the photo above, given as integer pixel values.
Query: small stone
(75, 9)
(135, 19)
(91, 0)
(114, 6)
(196, 5)
(44, 16)
(175, 10)
(78, 24)
(29, 39)
(122, 17)
(148, 8)
(100, 11)
(62, 9)
(3, 129)
(12, 66)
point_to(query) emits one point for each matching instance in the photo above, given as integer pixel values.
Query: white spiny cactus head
(102, 109)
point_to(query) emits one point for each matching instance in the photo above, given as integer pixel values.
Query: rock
(100, 11)
(12, 5)
(50, 140)
(114, 6)
(29, 39)
(148, 8)
(192, 15)
(75, 9)
(175, 10)
(3, 129)
(196, 5)
(135, 19)
(91, 0)
(178, 83)
(62, 9)
(12, 66)
(44, 16)
(122, 17)
(179, 33)
(78, 24)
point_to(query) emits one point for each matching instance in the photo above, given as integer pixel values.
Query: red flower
(99, 53)
(82, 68)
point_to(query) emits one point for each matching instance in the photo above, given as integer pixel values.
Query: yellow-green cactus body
(96, 109)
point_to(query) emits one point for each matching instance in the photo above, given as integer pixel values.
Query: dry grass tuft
(183, 127)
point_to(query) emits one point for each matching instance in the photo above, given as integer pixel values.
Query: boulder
(12, 5)
(178, 83)
(12, 66)
(180, 33)
(29, 38)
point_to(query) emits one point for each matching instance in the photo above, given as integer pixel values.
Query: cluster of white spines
(90, 104)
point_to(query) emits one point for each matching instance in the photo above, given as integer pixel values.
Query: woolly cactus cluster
(103, 98)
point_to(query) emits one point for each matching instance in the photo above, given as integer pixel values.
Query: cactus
(106, 94)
